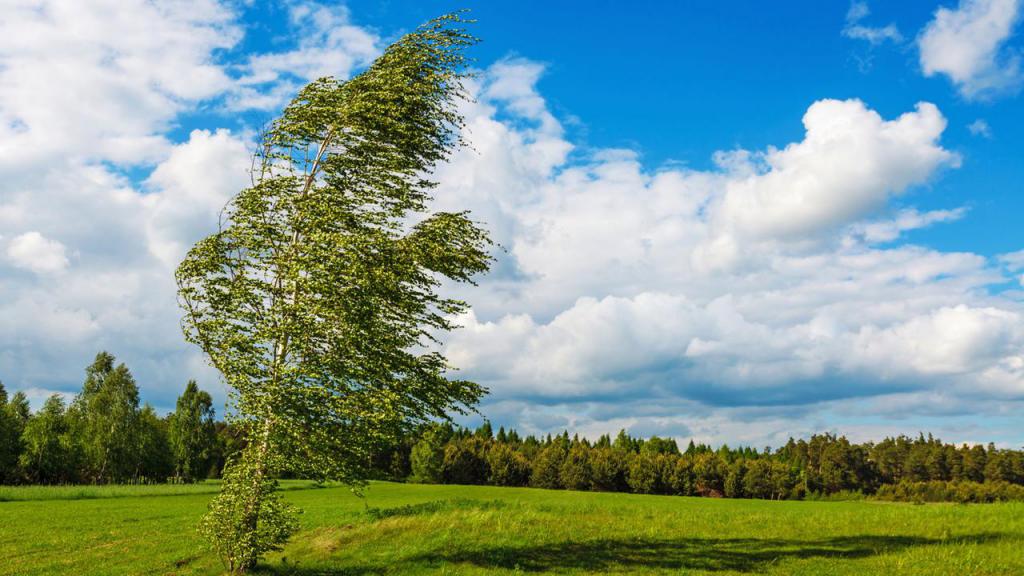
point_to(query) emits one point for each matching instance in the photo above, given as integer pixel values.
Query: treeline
(825, 466)
(104, 436)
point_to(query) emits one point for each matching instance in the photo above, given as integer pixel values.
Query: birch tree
(318, 297)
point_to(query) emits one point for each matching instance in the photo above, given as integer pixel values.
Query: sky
(721, 221)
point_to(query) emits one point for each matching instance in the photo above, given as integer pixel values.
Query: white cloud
(602, 311)
(980, 128)
(101, 79)
(850, 162)
(32, 251)
(873, 35)
(329, 45)
(906, 220)
(967, 44)
(189, 189)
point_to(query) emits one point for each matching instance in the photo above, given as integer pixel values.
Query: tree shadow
(671, 554)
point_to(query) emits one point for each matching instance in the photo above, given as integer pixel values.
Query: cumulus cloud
(329, 45)
(189, 188)
(850, 162)
(102, 79)
(968, 45)
(32, 251)
(615, 319)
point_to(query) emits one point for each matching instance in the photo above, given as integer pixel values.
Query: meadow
(427, 529)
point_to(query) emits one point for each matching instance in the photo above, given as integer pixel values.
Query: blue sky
(724, 221)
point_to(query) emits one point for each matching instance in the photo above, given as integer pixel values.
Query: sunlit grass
(415, 529)
(87, 492)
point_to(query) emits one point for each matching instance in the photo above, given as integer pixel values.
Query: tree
(10, 435)
(156, 460)
(427, 457)
(547, 467)
(708, 474)
(51, 454)
(757, 481)
(608, 468)
(14, 419)
(575, 472)
(507, 466)
(734, 479)
(191, 433)
(465, 462)
(645, 473)
(317, 298)
(105, 416)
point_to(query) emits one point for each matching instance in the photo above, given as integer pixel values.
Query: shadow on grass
(709, 554)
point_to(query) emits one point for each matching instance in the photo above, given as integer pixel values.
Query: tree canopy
(317, 299)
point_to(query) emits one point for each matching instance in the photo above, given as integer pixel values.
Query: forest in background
(105, 436)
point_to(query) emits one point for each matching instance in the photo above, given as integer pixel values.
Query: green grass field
(415, 529)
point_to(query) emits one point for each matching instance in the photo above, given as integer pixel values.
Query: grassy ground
(410, 529)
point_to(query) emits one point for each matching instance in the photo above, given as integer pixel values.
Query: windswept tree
(191, 433)
(317, 299)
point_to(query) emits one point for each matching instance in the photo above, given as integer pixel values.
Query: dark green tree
(547, 467)
(575, 473)
(156, 459)
(427, 457)
(465, 462)
(507, 467)
(191, 433)
(52, 454)
(105, 416)
(608, 469)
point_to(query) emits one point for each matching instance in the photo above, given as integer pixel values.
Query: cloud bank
(776, 294)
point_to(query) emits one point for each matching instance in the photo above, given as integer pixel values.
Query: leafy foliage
(317, 299)
(191, 433)
(240, 532)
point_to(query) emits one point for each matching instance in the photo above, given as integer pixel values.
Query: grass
(89, 492)
(412, 529)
